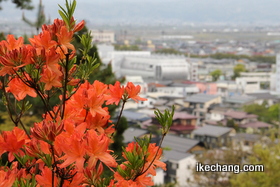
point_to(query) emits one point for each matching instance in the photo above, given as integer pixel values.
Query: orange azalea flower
(12, 43)
(97, 149)
(19, 89)
(86, 98)
(98, 122)
(15, 59)
(132, 92)
(51, 79)
(79, 26)
(152, 149)
(43, 40)
(153, 159)
(76, 181)
(7, 178)
(52, 60)
(13, 141)
(46, 130)
(37, 147)
(115, 93)
(74, 148)
(54, 28)
(141, 181)
(64, 38)
(99, 87)
(45, 178)
(3, 47)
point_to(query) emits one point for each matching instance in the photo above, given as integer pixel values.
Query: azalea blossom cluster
(70, 146)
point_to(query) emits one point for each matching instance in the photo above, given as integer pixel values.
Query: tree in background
(231, 155)
(40, 20)
(266, 154)
(22, 4)
(268, 114)
(237, 70)
(216, 74)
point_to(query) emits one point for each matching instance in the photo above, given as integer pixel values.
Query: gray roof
(211, 130)
(177, 143)
(131, 115)
(200, 98)
(263, 95)
(130, 133)
(239, 99)
(247, 137)
(171, 155)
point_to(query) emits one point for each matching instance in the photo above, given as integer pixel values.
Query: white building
(155, 67)
(277, 85)
(248, 84)
(103, 36)
(180, 167)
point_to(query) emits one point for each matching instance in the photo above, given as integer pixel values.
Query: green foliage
(232, 124)
(169, 51)
(67, 14)
(266, 114)
(238, 68)
(126, 47)
(22, 4)
(118, 137)
(216, 74)
(40, 20)
(165, 119)
(266, 154)
(22, 182)
(231, 155)
(27, 120)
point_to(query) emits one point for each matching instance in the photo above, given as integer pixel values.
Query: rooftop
(241, 99)
(256, 124)
(177, 143)
(200, 98)
(239, 114)
(247, 137)
(211, 130)
(130, 133)
(172, 155)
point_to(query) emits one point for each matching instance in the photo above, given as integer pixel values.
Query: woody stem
(65, 86)
(120, 115)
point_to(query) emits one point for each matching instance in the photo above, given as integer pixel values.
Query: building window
(174, 166)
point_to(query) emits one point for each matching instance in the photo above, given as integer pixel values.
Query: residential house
(240, 117)
(255, 126)
(199, 104)
(179, 167)
(182, 144)
(244, 121)
(264, 97)
(213, 136)
(135, 118)
(237, 101)
(183, 123)
(177, 89)
(226, 88)
(130, 133)
(245, 141)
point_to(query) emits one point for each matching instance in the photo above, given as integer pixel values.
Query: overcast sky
(160, 11)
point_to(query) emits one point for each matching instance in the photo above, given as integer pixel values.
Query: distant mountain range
(160, 11)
